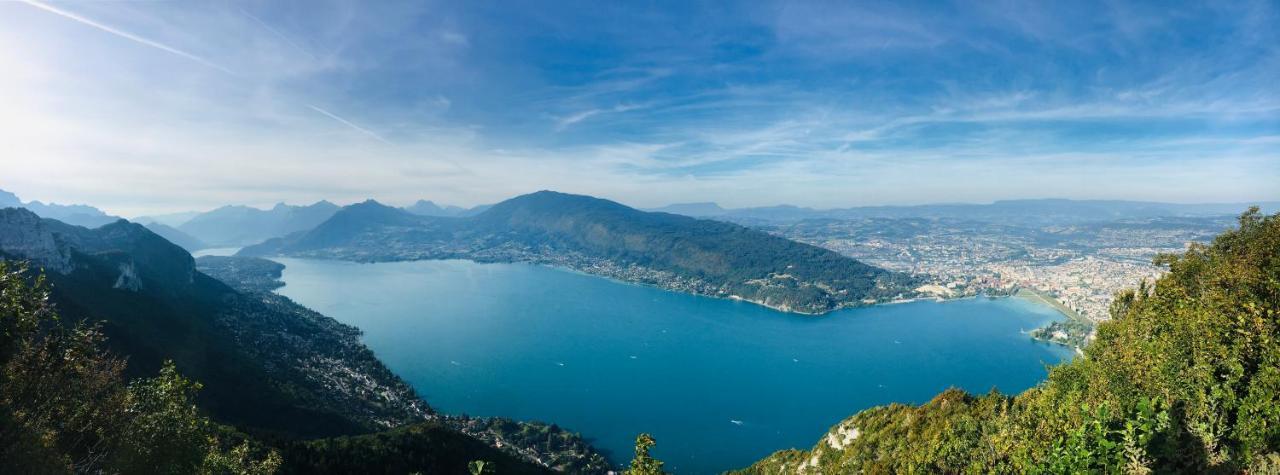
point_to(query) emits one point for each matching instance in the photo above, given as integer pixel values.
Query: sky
(151, 106)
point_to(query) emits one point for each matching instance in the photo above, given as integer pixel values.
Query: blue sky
(152, 106)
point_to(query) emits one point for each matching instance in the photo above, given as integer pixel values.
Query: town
(1080, 266)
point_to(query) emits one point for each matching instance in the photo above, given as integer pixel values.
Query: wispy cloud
(348, 123)
(814, 104)
(565, 122)
(125, 34)
(293, 44)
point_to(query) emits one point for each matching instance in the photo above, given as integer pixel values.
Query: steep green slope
(705, 249)
(429, 447)
(66, 407)
(1184, 379)
(269, 366)
(606, 238)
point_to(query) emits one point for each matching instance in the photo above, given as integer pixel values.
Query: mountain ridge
(77, 214)
(269, 366)
(1059, 210)
(606, 238)
(243, 225)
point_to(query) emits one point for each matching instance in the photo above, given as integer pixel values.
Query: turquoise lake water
(718, 383)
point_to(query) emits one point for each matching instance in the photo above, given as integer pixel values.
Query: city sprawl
(1079, 265)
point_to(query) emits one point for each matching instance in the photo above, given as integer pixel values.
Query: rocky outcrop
(128, 279)
(141, 258)
(25, 235)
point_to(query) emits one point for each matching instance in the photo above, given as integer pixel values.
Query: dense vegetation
(1185, 378)
(603, 237)
(274, 370)
(153, 305)
(711, 250)
(1070, 333)
(402, 450)
(65, 405)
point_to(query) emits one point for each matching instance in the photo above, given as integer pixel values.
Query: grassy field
(1038, 296)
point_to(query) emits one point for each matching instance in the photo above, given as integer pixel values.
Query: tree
(643, 463)
(480, 467)
(65, 407)
(165, 433)
(1184, 378)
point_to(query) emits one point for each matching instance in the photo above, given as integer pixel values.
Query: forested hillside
(280, 373)
(1184, 379)
(606, 238)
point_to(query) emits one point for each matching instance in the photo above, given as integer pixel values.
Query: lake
(718, 383)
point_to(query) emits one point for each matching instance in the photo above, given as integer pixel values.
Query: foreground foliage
(1185, 378)
(427, 447)
(65, 407)
(643, 463)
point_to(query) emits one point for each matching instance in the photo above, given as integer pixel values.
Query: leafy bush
(1185, 378)
(64, 406)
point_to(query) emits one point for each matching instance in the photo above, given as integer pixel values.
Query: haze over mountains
(269, 366)
(606, 238)
(428, 208)
(273, 367)
(238, 225)
(156, 305)
(1061, 211)
(233, 226)
(79, 215)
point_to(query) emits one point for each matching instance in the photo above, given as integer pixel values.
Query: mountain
(1033, 211)
(232, 226)
(270, 367)
(696, 210)
(606, 238)
(79, 215)
(427, 208)
(173, 235)
(1183, 378)
(9, 200)
(155, 305)
(473, 211)
(170, 219)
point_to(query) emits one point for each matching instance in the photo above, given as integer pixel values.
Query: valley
(610, 359)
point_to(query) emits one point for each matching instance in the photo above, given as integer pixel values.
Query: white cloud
(348, 123)
(124, 34)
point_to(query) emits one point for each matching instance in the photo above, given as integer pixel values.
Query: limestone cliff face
(140, 257)
(128, 279)
(24, 235)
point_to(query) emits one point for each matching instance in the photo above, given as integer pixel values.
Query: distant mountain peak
(368, 211)
(368, 203)
(545, 202)
(9, 200)
(699, 209)
(25, 235)
(79, 215)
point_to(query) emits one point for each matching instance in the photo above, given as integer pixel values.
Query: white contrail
(280, 35)
(349, 124)
(124, 34)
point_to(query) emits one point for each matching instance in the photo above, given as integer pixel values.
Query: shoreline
(1040, 298)
(736, 298)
